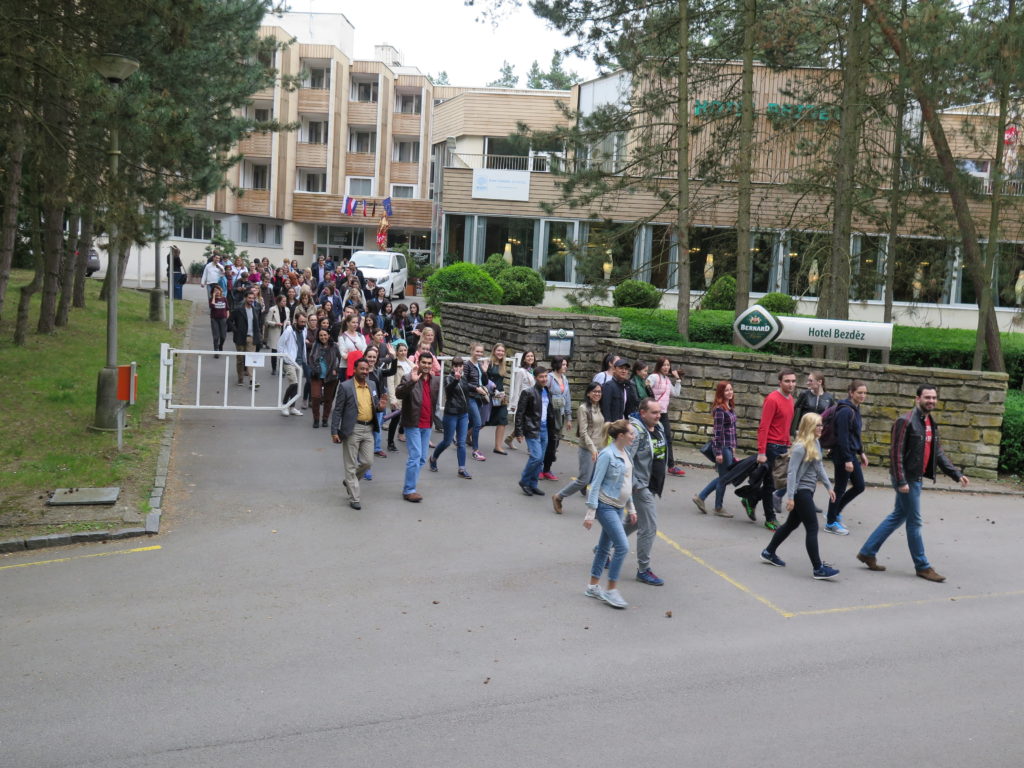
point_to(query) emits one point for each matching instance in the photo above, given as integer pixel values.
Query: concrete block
(12, 545)
(153, 521)
(80, 536)
(127, 533)
(53, 540)
(160, 481)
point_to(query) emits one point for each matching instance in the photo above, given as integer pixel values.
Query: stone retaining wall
(970, 412)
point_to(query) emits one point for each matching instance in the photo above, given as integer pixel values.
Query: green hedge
(520, 286)
(462, 282)
(1011, 447)
(917, 347)
(633, 293)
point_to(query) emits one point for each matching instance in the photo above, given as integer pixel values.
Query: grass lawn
(48, 397)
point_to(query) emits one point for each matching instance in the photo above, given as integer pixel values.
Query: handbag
(709, 452)
(780, 469)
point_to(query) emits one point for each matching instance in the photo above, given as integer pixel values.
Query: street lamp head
(115, 69)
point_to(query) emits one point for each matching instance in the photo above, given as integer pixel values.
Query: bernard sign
(758, 327)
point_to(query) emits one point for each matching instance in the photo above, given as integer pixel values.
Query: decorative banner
(758, 327)
(382, 233)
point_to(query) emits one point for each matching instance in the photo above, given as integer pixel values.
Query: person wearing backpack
(814, 399)
(843, 427)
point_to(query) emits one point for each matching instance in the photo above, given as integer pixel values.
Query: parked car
(388, 268)
(92, 262)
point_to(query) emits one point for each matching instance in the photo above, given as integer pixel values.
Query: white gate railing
(224, 402)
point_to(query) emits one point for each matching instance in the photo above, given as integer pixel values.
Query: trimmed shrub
(721, 294)
(495, 265)
(633, 293)
(520, 286)
(1011, 446)
(778, 303)
(462, 282)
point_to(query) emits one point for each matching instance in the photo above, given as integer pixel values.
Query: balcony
(314, 100)
(254, 201)
(360, 164)
(311, 155)
(404, 124)
(405, 173)
(255, 145)
(363, 113)
(538, 163)
(326, 209)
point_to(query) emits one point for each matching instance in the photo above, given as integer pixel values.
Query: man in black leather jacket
(914, 453)
(532, 414)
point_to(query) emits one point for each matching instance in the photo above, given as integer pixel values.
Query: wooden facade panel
(327, 209)
(405, 173)
(364, 67)
(406, 125)
(362, 113)
(254, 201)
(359, 164)
(497, 114)
(314, 100)
(311, 155)
(255, 145)
(413, 81)
(317, 51)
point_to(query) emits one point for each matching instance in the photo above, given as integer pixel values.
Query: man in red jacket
(773, 439)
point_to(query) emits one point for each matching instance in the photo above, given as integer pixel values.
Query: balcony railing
(538, 163)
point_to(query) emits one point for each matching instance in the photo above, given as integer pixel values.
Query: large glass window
(922, 270)
(456, 243)
(1010, 275)
(762, 261)
(360, 185)
(557, 265)
(317, 75)
(362, 142)
(518, 233)
(408, 103)
(661, 263)
(364, 90)
(310, 180)
(866, 280)
(314, 130)
(338, 242)
(198, 227)
(406, 151)
(608, 245)
(805, 260)
(712, 254)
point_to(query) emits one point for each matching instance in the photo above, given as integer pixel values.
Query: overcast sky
(437, 35)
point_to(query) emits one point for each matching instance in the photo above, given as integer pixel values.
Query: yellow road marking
(722, 574)
(81, 557)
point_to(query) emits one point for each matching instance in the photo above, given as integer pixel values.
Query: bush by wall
(778, 303)
(633, 293)
(1011, 447)
(495, 265)
(520, 286)
(462, 282)
(721, 294)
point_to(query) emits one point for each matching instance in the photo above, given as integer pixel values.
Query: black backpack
(828, 438)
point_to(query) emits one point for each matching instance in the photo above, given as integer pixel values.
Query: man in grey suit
(353, 423)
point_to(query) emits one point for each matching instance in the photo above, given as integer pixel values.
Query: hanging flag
(345, 205)
(374, 211)
(387, 206)
(364, 208)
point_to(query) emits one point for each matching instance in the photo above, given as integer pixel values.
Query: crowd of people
(371, 372)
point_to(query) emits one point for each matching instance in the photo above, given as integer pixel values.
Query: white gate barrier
(168, 356)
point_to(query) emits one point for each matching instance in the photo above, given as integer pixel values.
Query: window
(314, 130)
(360, 185)
(311, 180)
(408, 103)
(260, 233)
(365, 91)
(198, 227)
(362, 142)
(261, 114)
(403, 190)
(406, 152)
(255, 176)
(317, 76)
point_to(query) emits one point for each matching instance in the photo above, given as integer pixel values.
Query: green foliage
(557, 78)
(721, 294)
(462, 282)
(1011, 447)
(441, 78)
(520, 286)
(633, 293)
(225, 246)
(495, 265)
(195, 269)
(778, 303)
(507, 78)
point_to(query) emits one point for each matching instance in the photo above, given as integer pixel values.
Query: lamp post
(115, 70)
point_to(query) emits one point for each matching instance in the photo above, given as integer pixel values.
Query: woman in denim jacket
(611, 494)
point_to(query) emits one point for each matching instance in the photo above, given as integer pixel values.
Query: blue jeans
(715, 485)
(537, 446)
(376, 435)
(613, 535)
(455, 425)
(417, 440)
(768, 484)
(908, 510)
(475, 423)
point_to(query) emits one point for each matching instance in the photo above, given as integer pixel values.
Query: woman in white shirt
(350, 339)
(403, 365)
(665, 384)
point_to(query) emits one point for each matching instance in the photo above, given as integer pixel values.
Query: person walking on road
(610, 497)
(288, 346)
(814, 399)
(773, 440)
(218, 319)
(353, 422)
(914, 453)
(458, 391)
(418, 391)
(324, 367)
(561, 412)
(648, 453)
(246, 324)
(533, 412)
(848, 457)
(616, 398)
(723, 445)
(665, 383)
(805, 471)
(590, 431)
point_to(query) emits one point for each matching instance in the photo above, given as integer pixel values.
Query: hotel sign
(492, 184)
(758, 327)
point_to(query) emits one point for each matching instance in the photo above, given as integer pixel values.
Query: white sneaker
(613, 598)
(284, 412)
(294, 411)
(593, 590)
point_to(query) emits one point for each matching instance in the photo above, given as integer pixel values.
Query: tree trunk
(67, 280)
(746, 151)
(683, 171)
(84, 246)
(12, 201)
(53, 249)
(895, 194)
(27, 291)
(957, 192)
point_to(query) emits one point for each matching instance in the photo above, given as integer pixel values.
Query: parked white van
(388, 268)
